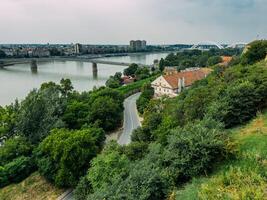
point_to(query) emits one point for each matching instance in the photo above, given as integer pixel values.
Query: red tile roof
(189, 76)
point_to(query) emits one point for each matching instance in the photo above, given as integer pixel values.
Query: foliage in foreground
(64, 156)
(113, 175)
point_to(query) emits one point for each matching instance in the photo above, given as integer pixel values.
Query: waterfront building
(137, 45)
(77, 48)
(172, 84)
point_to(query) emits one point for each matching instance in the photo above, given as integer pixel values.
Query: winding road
(131, 119)
(131, 122)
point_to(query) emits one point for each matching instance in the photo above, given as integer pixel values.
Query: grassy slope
(242, 178)
(34, 187)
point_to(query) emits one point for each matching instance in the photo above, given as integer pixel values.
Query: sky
(119, 21)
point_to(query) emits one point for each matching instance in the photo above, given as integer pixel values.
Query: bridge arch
(207, 43)
(237, 44)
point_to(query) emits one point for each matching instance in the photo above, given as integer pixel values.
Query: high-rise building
(137, 45)
(77, 48)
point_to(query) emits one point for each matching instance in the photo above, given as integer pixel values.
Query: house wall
(161, 87)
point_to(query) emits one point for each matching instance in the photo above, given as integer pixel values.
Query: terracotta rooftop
(226, 60)
(190, 77)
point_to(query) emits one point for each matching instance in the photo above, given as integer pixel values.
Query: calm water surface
(18, 80)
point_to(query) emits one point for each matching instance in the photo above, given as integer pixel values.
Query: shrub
(192, 151)
(16, 171)
(64, 156)
(13, 148)
(83, 189)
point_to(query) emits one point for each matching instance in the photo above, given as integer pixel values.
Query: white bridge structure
(209, 45)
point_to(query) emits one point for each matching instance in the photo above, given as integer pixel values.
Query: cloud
(118, 21)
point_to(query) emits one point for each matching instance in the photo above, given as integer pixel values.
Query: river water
(18, 80)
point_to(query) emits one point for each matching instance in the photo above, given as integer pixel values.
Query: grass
(243, 177)
(34, 187)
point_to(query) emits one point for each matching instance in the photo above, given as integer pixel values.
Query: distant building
(77, 48)
(137, 45)
(172, 84)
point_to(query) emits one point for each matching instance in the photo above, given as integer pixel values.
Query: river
(18, 80)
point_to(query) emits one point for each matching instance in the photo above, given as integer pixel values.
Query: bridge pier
(34, 67)
(94, 69)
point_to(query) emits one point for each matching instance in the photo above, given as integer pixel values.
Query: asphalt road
(131, 120)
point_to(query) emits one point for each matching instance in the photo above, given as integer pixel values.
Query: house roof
(189, 76)
(226, 60)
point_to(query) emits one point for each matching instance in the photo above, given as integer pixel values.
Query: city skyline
(119, 21)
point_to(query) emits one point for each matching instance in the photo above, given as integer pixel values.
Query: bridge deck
(9, 62)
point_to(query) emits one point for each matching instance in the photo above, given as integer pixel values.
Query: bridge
(34, 62)
(208, 45)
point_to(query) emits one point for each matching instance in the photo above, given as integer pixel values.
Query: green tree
(214, 60)
(257, 51)
(161, 64)
(107, 112)
(39, 113)
(130, 71)
(13, 148)
(105, 167)
(2, 54)
(65, 86)
(64, 156)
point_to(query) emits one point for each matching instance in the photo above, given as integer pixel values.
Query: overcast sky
(118, 21)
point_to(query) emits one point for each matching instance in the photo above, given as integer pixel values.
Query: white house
(172, 84)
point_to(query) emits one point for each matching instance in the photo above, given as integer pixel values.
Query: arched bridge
(207, 45)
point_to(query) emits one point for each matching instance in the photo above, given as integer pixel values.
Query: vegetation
(64, 156)
(196, 58)
(33, 187)
(143, 101)
(184, 138)
(181, 140)
(53, 129)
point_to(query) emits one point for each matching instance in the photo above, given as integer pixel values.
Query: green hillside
(241, 177)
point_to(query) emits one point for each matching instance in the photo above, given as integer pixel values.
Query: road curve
(131, 122)
(131, 119)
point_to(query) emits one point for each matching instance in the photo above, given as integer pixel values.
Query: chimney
(180, 85)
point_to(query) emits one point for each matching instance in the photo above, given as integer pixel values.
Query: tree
(107, 112)
(142, 73)
(114, 81)
(105, 167)
(161, 64)
(39, 113)
(256, 51)
(13, 148)
(143, 100)
(76, 114)
(214, 60)
(192, 150)
(2, 54)
(130, 71)
(238, 105)
(65, 86)
(64, 156)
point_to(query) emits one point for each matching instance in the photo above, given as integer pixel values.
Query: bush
(143, 100)
(16, 171)
(64, 156)
(39, 113)
(256, 51)
(105, 167)
(192, 151)
(13, 148)
(83, 189)
(214, 60)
